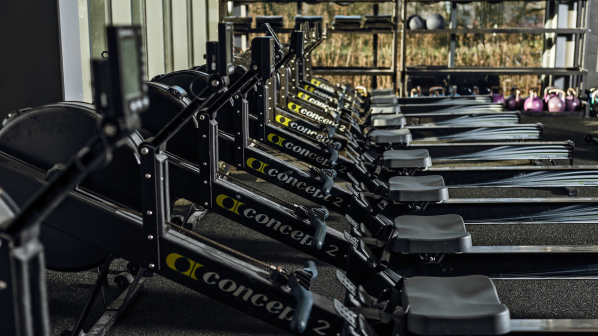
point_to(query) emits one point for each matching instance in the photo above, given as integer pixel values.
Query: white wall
(194, 22)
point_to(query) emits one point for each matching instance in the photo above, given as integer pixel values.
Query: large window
(175, 32)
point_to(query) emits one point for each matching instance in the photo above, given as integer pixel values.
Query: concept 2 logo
(241, 209)
(303, 129)
(314, 101)
(229, 289)
(282, 142)
(312, 115)
(284, 178)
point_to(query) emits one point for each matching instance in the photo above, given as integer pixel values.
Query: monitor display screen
(130, 67)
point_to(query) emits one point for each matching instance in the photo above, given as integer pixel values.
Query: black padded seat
(406, 158)
(428, 188)
(385, 109)
(382, 92)
(431, 234)
(388, 120)
(383, 136)
(388, 99)
(467, 305)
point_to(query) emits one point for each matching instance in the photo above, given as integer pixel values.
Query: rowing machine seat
(429, 188)
(406, 158)
(385, 109)
(382, 92)
(388, 99)
(431, 234)
(467, 305)
(394, 136)
(387, 120)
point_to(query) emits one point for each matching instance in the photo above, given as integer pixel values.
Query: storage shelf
(498, 31)
(443, 70)
(312, 1)
(353, 71)
(361, 31)
(474, 1)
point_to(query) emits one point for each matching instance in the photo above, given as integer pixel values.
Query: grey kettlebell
(415, 22)
(435, 21)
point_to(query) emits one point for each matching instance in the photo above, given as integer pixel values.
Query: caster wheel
(133, 268)
(122, 280)
(67, 332)
(189, 226)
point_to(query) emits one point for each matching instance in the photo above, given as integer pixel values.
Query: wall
(48, 45)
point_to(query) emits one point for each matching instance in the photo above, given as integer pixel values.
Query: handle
(573, 92)
(413, 92)
(327, 175)
(333, 148)
(330, 129)
(316, 217)
(557, 91)
(300, 281)
(363, 89)
(437, 88)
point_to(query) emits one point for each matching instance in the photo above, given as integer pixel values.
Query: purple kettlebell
(555, 102)
(533, 102)
(514, 102)
(571, 101)
(497, 96)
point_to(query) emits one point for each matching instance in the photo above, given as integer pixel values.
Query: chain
(263, 191)
(223, 174)
(285, 155)
(197, 235)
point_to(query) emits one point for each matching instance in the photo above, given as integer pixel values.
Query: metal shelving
(442, 70)
(578, 34)
(353, 71)
(562, 31)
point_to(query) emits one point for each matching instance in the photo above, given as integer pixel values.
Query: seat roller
(406, 158)
(431, 234)
(429, 188)
(467, 305)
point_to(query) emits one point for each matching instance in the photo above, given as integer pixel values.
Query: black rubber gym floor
(166, 308)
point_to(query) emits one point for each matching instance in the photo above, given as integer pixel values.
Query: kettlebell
(454, 93)
(547, 94)
(556, 103)
(571, 101)
(475, 91)
(436, 91)
(415, 22)
(533, 102)
(414, 93)
(497, 96)
(435, 21)
(514, 102)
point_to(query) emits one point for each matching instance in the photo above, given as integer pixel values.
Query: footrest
(389, 99)
(467, 305)
(382, 137)
(406, 158)
(382, 92)
(388, 120)
(429, 188)
(385, 109)
(431, 234)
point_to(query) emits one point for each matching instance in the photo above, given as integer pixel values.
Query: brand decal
(289, 180)
(303, 129)
(228, 203)
(232, 288)
(272, 223)
(312, 115)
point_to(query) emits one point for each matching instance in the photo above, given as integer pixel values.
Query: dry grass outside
(495, 50)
